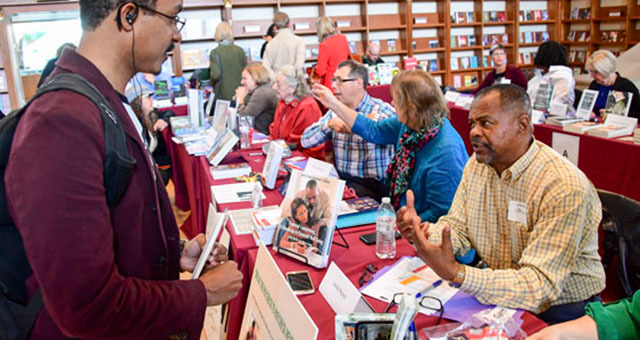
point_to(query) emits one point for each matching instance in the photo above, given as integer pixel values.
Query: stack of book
(580, 13)
(581, 127)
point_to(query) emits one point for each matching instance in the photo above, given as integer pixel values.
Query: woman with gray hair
(296, 110)
(333, 50)
(601, 66)
(430, 154)
(226, 63)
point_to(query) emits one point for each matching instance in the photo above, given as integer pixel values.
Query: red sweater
(515, 74)
(331, 52)
(291, 119)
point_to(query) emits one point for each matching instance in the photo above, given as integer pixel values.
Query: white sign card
(567, 145)
(587, 101)
(319, 168)
(272, 310)
(272, 164)
(537, 116)
(341, 294)
(557, 109)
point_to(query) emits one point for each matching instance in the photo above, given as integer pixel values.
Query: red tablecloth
(610, 164)
(179, 110)
(381, 92)
(352, 262)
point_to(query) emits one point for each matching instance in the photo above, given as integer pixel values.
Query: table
(610, 164)
(353, 267)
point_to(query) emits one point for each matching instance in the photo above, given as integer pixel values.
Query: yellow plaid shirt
(551, 259)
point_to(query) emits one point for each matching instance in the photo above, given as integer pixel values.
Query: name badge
(517, 212)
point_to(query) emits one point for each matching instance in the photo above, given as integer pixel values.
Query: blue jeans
(566, 312)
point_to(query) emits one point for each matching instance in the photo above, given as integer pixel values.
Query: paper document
(232, 193)
(409, 275)
(244, 220)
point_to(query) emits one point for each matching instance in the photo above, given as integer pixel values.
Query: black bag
(621, 224)
(17, 314)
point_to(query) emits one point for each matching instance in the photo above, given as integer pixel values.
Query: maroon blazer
(103, 275)
(513, 73)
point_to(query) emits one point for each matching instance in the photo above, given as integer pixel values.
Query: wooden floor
(179, 214)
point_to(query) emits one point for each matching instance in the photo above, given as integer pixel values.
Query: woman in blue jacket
(430, 154)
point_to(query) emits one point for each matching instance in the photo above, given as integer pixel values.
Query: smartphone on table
(370, 239)
(300, 282)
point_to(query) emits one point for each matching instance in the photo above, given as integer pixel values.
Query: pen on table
(426, 290)
(412, 331)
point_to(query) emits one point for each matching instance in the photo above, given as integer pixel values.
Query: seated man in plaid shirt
(360, 163)
(531, 215)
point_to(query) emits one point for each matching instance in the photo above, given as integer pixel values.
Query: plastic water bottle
(385, 230)
(256, 196)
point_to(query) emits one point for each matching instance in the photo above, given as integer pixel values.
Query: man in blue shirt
(360, 163)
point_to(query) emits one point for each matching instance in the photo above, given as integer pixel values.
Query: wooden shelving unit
(418, 28)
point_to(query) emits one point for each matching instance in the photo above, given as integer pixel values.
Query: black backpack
(621, 225)
(17, 312)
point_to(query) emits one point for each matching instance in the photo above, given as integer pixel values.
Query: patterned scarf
(401, 167)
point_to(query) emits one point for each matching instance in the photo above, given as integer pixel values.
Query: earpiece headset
(129, 17)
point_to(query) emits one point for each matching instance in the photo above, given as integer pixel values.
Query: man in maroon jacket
(111, 275)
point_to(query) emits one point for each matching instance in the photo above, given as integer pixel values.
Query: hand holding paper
(222, 283)
(192, 250)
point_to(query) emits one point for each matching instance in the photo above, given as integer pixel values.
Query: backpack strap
(119, 164)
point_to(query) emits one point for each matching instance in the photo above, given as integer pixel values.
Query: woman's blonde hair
(295, 78)
(224, 32)
(417, 90)
(259, 73)
(603, 62)
(325, 28)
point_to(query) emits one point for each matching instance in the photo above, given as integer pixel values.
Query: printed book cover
(308, 219)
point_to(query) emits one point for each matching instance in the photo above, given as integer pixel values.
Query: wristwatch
(459, 278)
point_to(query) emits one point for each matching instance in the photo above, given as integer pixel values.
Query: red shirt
(290, 121)
(331, 52)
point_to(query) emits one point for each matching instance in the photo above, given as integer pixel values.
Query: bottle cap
(386, 200)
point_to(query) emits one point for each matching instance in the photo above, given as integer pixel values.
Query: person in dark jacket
(601, 65)
(503, 73)
(256, 96)
(226, 63)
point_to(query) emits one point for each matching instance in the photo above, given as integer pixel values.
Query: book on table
(221, 147)
(615, 126)
(563, 121)
(230, 170)
(618, 103)
(587, 101)
(581, 127)
(543, 96)
(357, 211)
(308, 218)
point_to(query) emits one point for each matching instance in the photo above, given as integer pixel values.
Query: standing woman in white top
(551, 58)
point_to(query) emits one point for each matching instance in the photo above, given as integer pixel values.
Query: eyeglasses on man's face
(178, 23)
(339, 81)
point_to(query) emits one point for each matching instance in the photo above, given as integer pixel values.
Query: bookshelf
(404, 28)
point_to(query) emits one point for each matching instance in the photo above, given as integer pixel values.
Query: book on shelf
(472, 40)
(574, 13)
(391, 45)
(581, 127)
(505, 38)
(433, 65)
(580, 56)
(493, 16)
(545, 14)
(410, 63)
(305, 231)
(537, 15)
(502, 16)
(527, 58)
(572, 56)
(473, 61)
(618, 103)
(454, 41)
(485, 16)
(461, 17)
(457, 80)
(485, 40)
(471, 17)
(584, 13)
(545, 36)
(571, 36)
(613, 36)
(464, 63)
(604, 36)
(528, 37)
(462, 41)
(434, 43)
(230, 170)
(352, 47)
(454, 64)
(520, 59)
(452, 17)
(528, 15)
(467, 80)
(521, 15)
